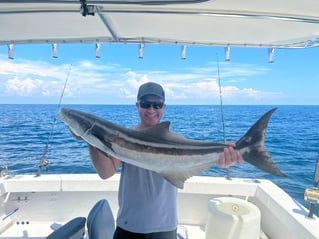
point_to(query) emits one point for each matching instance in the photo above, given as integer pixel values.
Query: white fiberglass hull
(38, 205)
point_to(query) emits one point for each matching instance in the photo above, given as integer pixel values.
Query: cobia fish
(158, 149)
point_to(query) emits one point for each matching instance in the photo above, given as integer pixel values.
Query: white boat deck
(43, 203)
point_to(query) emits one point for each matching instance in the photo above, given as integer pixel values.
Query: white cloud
(22, 87)
(96, 82)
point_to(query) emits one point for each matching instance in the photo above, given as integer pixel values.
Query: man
(147, 202)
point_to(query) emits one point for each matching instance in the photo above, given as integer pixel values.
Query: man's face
(151, 110)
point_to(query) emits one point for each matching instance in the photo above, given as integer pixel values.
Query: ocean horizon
(292, 138)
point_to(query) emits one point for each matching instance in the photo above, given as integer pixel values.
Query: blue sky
(35, 77)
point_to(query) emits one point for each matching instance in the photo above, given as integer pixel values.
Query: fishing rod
(222, 113)
(312, 195)
(44, 162)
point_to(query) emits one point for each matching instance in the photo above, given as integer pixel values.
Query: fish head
(76, 121)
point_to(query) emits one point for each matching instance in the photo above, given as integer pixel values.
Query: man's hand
(230, 156)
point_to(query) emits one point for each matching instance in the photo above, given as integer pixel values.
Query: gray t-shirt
(147, 202)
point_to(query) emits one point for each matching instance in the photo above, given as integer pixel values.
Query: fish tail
(252, 147)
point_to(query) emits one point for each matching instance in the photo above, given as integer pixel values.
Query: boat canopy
(227, 23)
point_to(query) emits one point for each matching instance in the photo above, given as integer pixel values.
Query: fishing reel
(4, 171)
(44, 163)
(312, 195)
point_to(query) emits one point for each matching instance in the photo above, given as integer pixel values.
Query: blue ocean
(292, 138)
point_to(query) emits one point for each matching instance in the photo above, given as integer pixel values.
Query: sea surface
(292, 138)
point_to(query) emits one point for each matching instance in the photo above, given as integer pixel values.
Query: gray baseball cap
(150, 88)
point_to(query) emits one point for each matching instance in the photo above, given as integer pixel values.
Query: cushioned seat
(100, 221)
(74, 229)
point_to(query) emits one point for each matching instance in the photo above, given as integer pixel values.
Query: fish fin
(176, 180)
(252, 147)
(159, 131)
(176, 183)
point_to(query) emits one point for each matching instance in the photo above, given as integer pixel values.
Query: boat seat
(100, 221)
(74, 229)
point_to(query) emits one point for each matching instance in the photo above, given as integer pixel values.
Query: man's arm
(105, 166)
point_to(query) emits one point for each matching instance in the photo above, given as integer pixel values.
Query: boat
(46, 206)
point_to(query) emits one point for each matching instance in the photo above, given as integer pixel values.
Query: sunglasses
(155, 105)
